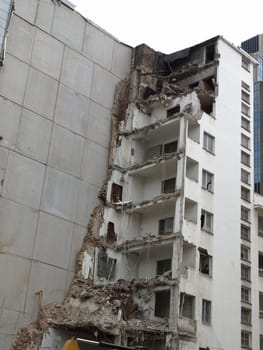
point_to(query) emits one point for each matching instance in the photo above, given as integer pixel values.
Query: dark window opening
(170, 147)
(204, 262)
(202, 219)
(147, 92)
(187, 305)
(116, 193)
(111, 235)
(194, 85)
(206, 104)
(162, 304)
(168, 186)
(209, 83)
(173, 111)
(106, 265)
(153, 152)
(166, 226)
(210, 53)
(163, 266)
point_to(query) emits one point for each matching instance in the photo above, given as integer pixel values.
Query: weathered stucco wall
(56, 93)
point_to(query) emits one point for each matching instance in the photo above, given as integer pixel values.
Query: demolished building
(173, 242)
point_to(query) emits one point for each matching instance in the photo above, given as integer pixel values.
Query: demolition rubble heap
(112, 293)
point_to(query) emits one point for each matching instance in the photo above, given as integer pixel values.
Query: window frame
(260, 264)
(245, 291)
(207, 181)
(245, 276)
(245, 63)
(189, 310)
(205, 227)
(245, 124)
(260, 231)
(206, 312)
(247, 343)
(164, 222)
(247, 217)
(244, 253)
(245, 141)
(246, 315)
(166, 184)
(209, 142)
(245, 158)
(245, 176)
(245, 194)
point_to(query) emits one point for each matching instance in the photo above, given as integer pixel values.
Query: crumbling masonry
(131, 273)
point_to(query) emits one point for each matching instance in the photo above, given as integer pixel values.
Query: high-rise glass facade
(252, 46)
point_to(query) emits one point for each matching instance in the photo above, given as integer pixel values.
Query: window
(160, 150)
(206, 221)
(116, 193)
(187, 304)
(261, 342)
(245, 141)
(260, 264)
(245, 96)
(245, 86)
(163, 266)
(245, 124)
(206, 312)
(245, 109)
(170, 147)
(111, 235)
(162, 304)
(245, 315)
(245, 294)
(166, 226)
(245, 253)
(210, 53)
(209, 143)
(207, 181)
(245, 232)
(245, 272)
(245, 339)
(245, 64)
(245, 193)
(245, 158)
(153, 152)
(260, 305)
(168, 186)
(245, 177)
(205, 262)
(260, 226)
(106, 265)
(245, 214)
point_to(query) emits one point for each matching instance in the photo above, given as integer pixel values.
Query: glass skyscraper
(254, 46)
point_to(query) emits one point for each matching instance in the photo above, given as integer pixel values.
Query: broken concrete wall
(57, 86)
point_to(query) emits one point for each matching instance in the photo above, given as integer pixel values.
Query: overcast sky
(171, 25)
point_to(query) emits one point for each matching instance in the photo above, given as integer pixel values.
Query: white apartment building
(179, 200)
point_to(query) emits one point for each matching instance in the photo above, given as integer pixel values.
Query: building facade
(56, 93)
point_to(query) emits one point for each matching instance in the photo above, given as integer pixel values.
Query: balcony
(160, 165)
(187, 326)
(159, 202)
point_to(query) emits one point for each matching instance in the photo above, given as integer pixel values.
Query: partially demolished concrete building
(168, 256)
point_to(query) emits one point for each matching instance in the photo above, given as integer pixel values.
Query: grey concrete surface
(56, 93)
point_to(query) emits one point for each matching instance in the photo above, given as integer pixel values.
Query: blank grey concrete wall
(56, 93)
